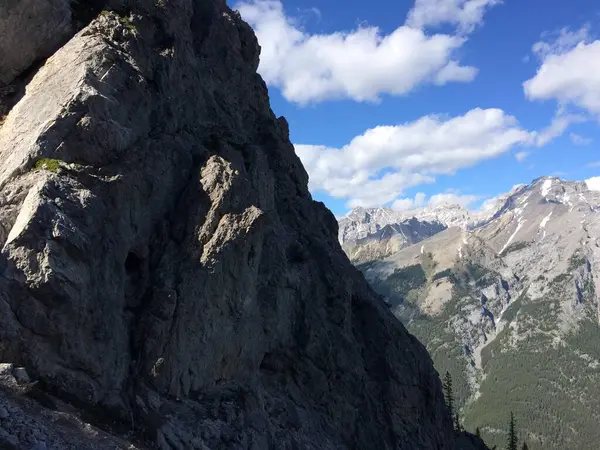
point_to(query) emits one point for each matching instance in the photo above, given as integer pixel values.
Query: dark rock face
(163, 260)
(30, 30)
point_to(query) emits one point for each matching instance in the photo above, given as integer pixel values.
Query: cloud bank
(568, 72)
(375, 167)
(365, 63)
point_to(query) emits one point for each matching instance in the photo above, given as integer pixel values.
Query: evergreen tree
(525, 447)
(478, 433)
(457, 425)
(448, 393)
(512, 434)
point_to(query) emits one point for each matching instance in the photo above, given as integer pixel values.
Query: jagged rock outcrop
(163, 262)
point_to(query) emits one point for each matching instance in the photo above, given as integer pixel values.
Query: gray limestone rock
(30, 30)
(163, 262)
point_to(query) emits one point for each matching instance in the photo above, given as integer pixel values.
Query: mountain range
(507, 302)
(371, 233)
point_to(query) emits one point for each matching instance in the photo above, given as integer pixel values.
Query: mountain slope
(361, 222)
(389, 239)
(164, 271)
(375, 233)
(511, 310)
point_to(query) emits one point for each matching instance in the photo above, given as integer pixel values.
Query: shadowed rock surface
(30, 30)
(164, 265)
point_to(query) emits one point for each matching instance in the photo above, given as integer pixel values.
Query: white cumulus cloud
(490, 204)
(465, 14)
(521, 156)
(560, 123)
(407, 203)
(464, 200)
(420, 200)
(593, 183)
(375, 167)
(560, 42)
(579, 140)
(568, 71)
(362, 64)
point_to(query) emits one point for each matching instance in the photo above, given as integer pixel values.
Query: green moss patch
(49, 164)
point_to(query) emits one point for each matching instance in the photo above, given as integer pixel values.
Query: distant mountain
(510, 306)
(389, 239)
(362, 222)
(374, 233)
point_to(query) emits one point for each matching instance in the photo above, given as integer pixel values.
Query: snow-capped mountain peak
(361, 222)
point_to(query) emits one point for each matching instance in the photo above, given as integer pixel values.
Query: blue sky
(407, 103)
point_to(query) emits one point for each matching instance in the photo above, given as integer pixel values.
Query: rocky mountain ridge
(375, 233)
(361, 222)
(511, 308)
(166, 280)
(389, 239)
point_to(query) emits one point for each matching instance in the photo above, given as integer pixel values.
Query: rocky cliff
(165, 275)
